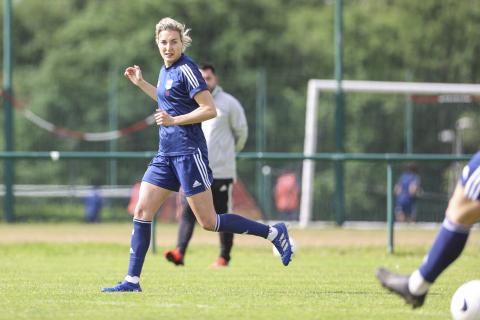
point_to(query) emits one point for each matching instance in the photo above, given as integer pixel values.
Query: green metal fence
(387, 159)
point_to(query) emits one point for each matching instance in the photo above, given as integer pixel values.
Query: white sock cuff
(456, 227)
(142, 221)
(132, 279)
(272, 233)
(417, 285)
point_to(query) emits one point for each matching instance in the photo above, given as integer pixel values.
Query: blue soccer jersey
(404, 182)
(176, 87)
(470, 177)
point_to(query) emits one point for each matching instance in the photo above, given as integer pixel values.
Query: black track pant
(221, 192)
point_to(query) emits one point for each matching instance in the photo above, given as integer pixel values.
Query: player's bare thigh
(202, 206)
(150, 198)
(461, 209)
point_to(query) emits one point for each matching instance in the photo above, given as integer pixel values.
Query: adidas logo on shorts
(196, 184)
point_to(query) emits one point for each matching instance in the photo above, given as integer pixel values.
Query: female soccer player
(183, 103)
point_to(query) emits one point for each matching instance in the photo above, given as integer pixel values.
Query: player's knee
(141, 213)
(464, 213)
(467, 217)
(207, 224)
(138, 212)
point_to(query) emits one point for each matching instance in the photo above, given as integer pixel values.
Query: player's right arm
(134, 74)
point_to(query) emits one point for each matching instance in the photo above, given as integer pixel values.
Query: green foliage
(65, 52)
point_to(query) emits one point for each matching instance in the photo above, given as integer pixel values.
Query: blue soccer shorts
(407, 207)
(470, 178)
(191, 172)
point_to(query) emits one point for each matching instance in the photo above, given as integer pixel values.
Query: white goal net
(316, 87)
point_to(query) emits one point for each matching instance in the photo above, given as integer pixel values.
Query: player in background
(225, 135)
(286, 194)
(406, 191)
(462, 212)
(182, 159)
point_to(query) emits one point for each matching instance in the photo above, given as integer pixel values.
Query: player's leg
(408, 211)
(447, 247)
(413, 214)
(187, 226)
(185, 232)
(222, 198)
(226, 244)
(202, 205)
(196, 179)
(399, 213)
(462, 212)
(150, 199)
(157, 184)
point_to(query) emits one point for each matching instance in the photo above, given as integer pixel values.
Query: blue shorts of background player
(462, 212)
(408, 209)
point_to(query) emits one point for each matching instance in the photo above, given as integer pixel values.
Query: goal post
(314, 91)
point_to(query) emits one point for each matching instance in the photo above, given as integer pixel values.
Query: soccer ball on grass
(466, 301)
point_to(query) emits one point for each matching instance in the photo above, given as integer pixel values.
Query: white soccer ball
(277, 254)
(466, 301)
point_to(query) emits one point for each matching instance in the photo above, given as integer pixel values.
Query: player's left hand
(162, 118)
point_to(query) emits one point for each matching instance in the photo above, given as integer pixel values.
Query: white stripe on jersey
(142, 221)
(472, 187)
(189, 74)
(202, 168)
(475, 192)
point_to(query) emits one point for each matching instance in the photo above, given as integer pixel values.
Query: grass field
(56, 271)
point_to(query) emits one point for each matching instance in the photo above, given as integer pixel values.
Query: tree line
(66, 54)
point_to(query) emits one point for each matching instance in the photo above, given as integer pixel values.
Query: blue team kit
(182, 158)
(470, 178)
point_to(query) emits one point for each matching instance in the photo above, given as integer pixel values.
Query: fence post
(390, 218)
(339, 116)
(9, 164)
(260, 137)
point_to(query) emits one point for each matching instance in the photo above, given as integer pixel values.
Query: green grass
(62, 281)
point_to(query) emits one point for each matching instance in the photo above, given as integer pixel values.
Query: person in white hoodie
(225, 135)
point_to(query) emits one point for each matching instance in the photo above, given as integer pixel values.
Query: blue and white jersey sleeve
(192, 78)
(176, 88)
(470, 178)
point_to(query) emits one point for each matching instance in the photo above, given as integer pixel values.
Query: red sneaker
(174, 256)
(221, 262)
